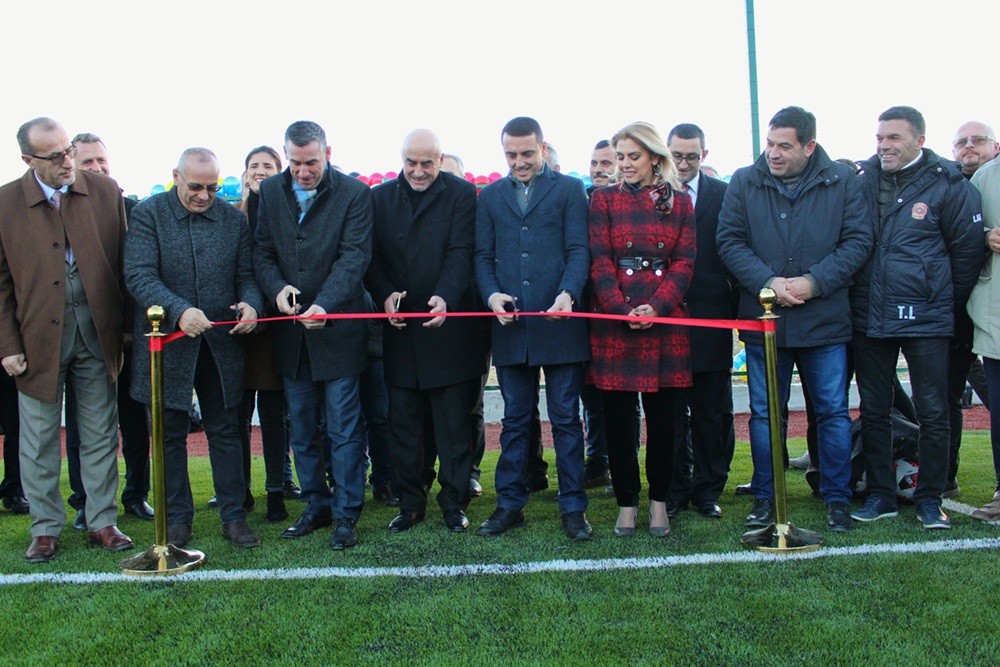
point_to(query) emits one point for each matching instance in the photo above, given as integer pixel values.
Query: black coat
(711, 295)
(325, 257)
(427, 252)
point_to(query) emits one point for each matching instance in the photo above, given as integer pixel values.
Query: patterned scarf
(661, 194)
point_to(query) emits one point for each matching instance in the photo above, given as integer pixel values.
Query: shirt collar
(46, 189)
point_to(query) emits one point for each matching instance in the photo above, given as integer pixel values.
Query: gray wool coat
(179, 260)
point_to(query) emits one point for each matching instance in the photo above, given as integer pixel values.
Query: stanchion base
(782, 538)
(162, 560)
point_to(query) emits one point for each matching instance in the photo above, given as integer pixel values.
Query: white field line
(480, 569)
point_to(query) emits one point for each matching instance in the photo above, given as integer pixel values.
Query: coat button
(524, 254)
(645, 263)
(629, 272)
(55, 321)
(660, 244)
(525, 283)
(302, 270)
(784, 215)
(628, 244)
(658, 272)
(55, 244)
(524, 229)
(628, 298)
(299, 239)
(56, 284)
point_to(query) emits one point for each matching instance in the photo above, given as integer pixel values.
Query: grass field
(935, 604)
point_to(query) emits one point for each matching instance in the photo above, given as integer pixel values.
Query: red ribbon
(156, 343)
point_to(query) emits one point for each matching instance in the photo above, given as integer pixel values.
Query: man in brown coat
(62, 307)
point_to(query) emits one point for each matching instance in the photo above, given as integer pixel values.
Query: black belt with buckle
(642, 263)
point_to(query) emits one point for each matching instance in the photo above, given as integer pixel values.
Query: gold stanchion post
(781, 536)
(161, 558)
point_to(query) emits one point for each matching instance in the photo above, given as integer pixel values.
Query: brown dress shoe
(42, 549)
(110, 539)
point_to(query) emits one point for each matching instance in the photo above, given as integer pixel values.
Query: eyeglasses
(57, 158)
(690, 158)
(198, 187)
(977, 140)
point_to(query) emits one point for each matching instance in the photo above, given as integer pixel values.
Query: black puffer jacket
(928, 252)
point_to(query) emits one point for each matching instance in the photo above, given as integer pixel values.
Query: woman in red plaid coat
(642, 244)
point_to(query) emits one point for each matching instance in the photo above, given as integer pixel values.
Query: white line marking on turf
(480, 569)
(962, 508)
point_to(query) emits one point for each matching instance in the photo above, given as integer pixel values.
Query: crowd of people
(866, 259)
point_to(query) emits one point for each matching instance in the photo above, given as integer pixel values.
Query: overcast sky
(155, 78)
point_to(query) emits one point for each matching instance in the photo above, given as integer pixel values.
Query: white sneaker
(800, 462)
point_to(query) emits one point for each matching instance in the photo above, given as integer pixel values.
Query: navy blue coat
(711, 295)
(427, 252)
(180, 260)
(826, 232)
(928, 253)
(325, 257)
(533, 257)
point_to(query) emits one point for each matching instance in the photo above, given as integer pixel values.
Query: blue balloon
(574, 174)
(587, 182)
(231, 186)
(157, 189)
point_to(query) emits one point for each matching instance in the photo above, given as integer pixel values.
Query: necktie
(56, 198)
(305, 199)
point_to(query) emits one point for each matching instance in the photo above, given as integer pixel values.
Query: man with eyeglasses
(189, 252)
(63, 315)
(973, 146)
(711, 437)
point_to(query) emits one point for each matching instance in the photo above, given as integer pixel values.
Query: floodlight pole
(752, 59)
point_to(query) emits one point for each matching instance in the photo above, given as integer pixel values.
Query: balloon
(157, 189)
(389, 175)
(495, 176)
(231, 186)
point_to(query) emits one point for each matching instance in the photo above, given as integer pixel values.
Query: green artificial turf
(913, 609)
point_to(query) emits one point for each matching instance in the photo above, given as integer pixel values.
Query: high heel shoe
(659, 530)
(628, 514)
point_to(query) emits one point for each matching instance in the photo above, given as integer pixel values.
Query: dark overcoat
(180, 260)
(625, 224)
(325, 257)
(711, 295)
(533, 256)
(33, 268)
(427, 252)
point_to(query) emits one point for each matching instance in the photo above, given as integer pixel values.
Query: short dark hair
(23, 143)
(909, 114)
(603, 143)
(800, 120)
(263, 149)
(687, 131)
(88, 138)
(304, 132)
(522, 126)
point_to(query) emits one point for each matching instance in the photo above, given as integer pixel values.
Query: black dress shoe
(475, 488)
(405, 521)
(179, 535)
(240, 534)
(501, 521)
(16, 504)
(383, 493)
(675, 507)
(576, 526)
(537, 483)
(744, 490)
(710, 509)
(213, 503)
(140, 510)
(456, 521)
(345, 535)
(276, 507)
(80, 522)
(291, 491)
(306, 524)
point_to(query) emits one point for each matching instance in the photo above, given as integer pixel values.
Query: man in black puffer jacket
(928, 252)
